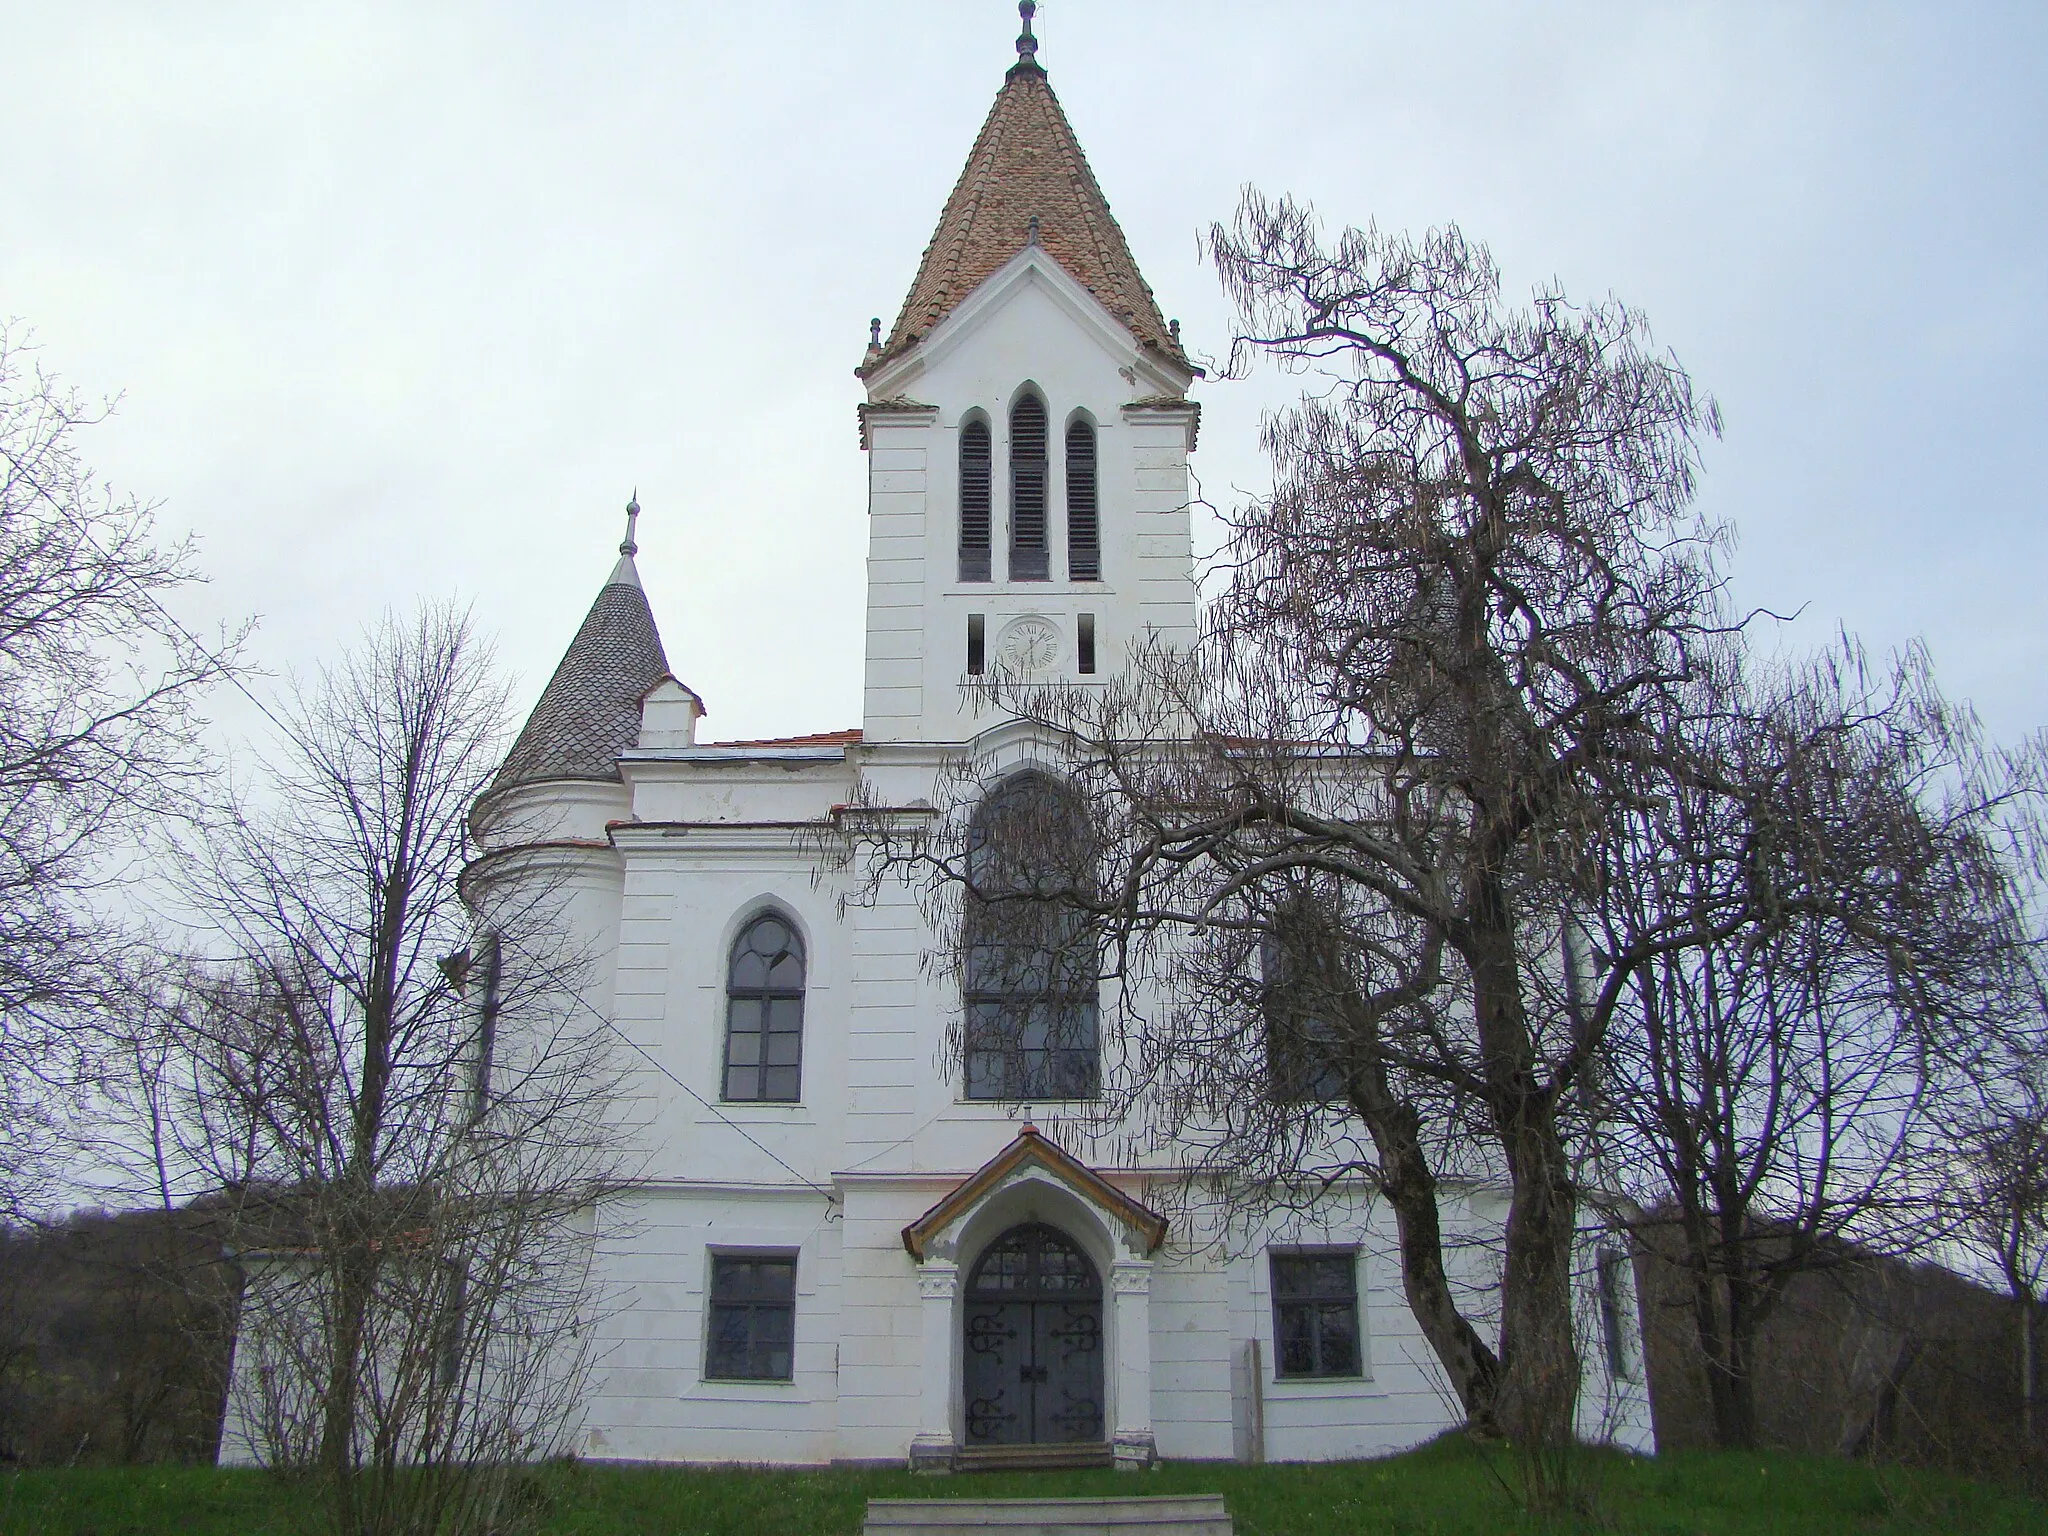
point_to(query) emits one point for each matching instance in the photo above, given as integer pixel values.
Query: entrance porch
(1033, 1360)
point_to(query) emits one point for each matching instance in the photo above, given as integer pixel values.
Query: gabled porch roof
(1032, 1148)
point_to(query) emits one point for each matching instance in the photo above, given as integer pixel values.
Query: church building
(852, 1242)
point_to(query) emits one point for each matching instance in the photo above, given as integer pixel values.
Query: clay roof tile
(1025, 162)
(590, 710)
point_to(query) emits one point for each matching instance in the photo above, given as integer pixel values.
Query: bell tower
(1027, 428)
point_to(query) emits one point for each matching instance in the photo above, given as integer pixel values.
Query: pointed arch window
(764, 1013)
(1032, 965)
(976, 500)
(1029, 560)
(1084, 522)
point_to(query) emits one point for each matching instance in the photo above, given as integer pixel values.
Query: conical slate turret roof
(1027, 162)
(590, 710)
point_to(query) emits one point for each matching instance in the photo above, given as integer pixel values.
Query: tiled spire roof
(590, 710)
(1025, 164)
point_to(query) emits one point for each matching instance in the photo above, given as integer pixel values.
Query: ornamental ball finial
(627, 545)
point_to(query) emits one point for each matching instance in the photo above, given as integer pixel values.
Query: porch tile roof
(1032, 1145)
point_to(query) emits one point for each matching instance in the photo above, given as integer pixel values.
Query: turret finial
(1027, 45)
(628, 546)
(1031, 234)
(875, 333)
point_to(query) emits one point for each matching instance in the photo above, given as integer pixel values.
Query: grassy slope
(1447, 1488)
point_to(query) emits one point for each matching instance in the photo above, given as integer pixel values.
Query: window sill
(1310, 1387)
(740, 1389)
(1077, 680)
(1084, 587)
(1008, 1108)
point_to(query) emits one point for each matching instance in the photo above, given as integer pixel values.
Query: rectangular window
(1315, 1313)
(1614, 1310)
(1302, 1047)
(490, 962)
(1084, 643)
(752, 1327)
(1032, 1047)
(453, 1343)
(977, 644)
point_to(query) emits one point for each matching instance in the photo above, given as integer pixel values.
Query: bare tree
(1460, 617)
(98, 740)
(1999, 1201)
(381, 1054)
(2005, 1219)
(1775, 1088)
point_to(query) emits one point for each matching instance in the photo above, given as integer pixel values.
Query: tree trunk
(1539, 1378)
(1539, 1357)
(2027, 1373)
(1410, 1188)
(1725, 1356)
(344, 1362)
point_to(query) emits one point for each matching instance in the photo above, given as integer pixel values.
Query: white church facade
(850, 1244)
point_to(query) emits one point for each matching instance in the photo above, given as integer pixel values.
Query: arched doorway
(1033, 1345)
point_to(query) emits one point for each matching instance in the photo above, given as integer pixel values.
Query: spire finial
(628, 547)
(875, 333)
(1031, 234)
(1027, 45)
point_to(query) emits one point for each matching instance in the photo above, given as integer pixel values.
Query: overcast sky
(404, 301)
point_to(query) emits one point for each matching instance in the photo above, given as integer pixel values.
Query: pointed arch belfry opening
(976, 500)
(1030, 551)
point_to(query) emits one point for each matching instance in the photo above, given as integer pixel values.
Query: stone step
(1030, 1458)
(1200, 1514)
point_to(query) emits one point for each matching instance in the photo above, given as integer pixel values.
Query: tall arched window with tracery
(1029, 558)
(764, 1013)
(1032, 963)
(976, 500)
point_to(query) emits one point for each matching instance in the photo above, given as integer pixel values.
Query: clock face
(1029, 645)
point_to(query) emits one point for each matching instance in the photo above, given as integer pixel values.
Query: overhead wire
(226, 671)
(831, 1196)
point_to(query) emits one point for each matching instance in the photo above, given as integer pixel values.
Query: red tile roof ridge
(844, 738)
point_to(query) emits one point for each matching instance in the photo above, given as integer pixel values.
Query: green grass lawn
(1449, 1488)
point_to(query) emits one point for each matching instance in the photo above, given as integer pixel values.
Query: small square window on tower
(977, 644)
(1084, 643)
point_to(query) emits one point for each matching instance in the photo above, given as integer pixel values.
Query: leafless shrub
(381, 1055)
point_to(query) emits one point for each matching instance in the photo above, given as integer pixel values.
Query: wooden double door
(1033, 1344)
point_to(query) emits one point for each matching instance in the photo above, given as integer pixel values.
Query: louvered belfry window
(1084, 524)
(974, 501)
(1028, 558)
